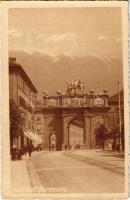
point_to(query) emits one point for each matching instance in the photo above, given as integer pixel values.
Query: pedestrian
(30, 150)
(52, 147)
(14, 152)
(118, 147)
(113, 147)
(65, 147)
(19, 154)
(25, 150)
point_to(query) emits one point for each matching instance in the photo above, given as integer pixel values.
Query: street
(78, 171)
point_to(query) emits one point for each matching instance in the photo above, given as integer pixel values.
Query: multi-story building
(114, 137)
(22, 92)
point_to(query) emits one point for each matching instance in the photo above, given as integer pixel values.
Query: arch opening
(75, 134)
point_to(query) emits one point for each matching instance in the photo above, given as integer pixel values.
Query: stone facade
(57, 122)
(22, 92)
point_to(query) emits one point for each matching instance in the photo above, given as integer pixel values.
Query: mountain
(51, 73)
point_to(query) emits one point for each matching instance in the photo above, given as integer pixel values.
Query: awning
(33, 136)
(27, 135)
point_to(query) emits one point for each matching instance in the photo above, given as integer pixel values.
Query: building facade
(22, 92)
(115, 119)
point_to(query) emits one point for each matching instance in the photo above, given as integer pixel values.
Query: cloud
(118, 39)
(28, 38)
(56, 38)
(56, 44)
(41, 36)
(15, 33)
(102, 37)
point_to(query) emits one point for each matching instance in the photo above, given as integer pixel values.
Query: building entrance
(76, 136)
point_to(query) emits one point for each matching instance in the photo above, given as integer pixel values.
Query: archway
(75, 134)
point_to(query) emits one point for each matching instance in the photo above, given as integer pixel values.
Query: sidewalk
(20, 179)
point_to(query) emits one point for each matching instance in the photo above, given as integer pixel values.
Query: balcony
(72, 101)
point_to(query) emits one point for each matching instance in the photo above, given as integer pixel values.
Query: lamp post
(79, 137)
(74, 137)
(119, 104)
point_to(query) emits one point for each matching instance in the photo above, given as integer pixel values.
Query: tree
(16, 121)
(100, 135)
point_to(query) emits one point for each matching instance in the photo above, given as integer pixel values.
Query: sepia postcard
(64, 100)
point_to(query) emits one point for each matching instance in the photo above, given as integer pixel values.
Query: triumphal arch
(74, 106)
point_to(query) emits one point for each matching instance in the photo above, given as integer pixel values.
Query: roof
(17, 67)
(115, 98)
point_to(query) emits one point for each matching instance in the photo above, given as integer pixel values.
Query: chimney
(12, 60)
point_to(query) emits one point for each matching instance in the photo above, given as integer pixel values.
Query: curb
(36, 184)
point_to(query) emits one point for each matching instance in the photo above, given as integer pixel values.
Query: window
(20, 82)
(29, 125)
(99, 120)
(39, 127)
(38, 118)
(22, 102)
(32, 118)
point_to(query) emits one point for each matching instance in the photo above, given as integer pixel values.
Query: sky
(70, 32)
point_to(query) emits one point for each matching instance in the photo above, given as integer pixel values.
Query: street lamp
(119, 104)
(74, 137)
(79, 136)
